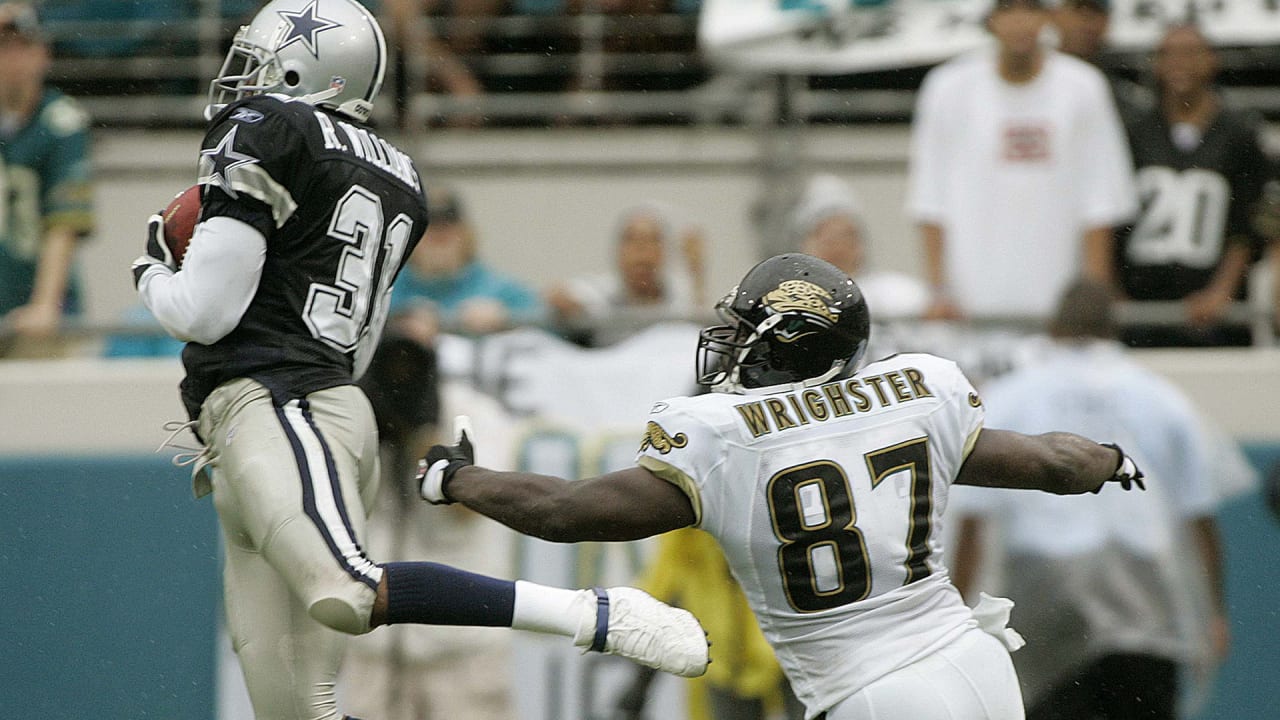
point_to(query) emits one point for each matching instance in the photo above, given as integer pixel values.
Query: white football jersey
(828, 501)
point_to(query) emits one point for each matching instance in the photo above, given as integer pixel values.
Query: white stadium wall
(126, 590)
(544, 202)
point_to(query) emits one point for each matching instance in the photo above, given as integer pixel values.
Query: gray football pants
(292, 486)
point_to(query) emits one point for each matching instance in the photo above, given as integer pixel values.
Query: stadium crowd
(1156, 192)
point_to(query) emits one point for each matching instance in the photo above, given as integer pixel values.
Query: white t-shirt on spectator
(1015, 174)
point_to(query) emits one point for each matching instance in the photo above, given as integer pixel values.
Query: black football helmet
(792, 319)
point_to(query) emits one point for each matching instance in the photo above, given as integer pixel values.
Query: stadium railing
(85, 334)
(537, 69)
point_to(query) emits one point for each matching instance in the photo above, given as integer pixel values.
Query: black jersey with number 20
(341, 210)
(1194, 202)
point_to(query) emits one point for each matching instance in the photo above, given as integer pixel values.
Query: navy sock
(433, 594)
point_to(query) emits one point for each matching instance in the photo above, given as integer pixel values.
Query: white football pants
(970, 679)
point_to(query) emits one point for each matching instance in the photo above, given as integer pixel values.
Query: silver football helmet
(325, 52)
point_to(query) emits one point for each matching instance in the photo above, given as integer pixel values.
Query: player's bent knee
(340, 615)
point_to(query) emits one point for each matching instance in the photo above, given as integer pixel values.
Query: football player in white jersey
(825, 485)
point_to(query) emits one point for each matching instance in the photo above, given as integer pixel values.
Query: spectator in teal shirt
(445, 277)
(46, 203)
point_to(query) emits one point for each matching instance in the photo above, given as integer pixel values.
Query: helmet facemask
(740, 356)
(261, 73)
(724, 350)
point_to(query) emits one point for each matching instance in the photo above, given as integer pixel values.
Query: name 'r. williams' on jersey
(341, 210)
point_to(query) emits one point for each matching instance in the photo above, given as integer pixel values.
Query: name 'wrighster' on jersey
(833, 400)
(368, 147)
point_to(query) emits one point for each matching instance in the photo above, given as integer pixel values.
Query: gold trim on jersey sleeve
(970, 442)
(677, 477)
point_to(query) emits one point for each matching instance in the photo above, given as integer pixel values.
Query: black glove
(157, 251)
(442, 461)
(1127, 472)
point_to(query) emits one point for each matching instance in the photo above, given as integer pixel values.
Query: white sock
(544, 609)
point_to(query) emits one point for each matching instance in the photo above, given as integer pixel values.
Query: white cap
(824, 196)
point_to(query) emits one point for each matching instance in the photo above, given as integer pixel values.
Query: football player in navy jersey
(824, 483)
(1200, 172)
(306, 218)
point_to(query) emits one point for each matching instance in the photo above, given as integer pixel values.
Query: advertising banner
(851, 36)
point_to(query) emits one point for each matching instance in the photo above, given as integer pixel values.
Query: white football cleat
(630, 623)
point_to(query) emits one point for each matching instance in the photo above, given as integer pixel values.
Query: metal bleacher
(538, 67)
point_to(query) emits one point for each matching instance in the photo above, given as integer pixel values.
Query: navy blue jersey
(341, 210)
(1194, 203)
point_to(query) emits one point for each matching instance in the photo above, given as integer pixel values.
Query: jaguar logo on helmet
(804, 297)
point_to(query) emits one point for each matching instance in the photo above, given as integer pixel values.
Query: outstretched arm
(624, 505)
(1057, 462)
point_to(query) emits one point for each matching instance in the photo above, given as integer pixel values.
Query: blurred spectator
(46, 205)
(1019, 172)
(119, 29)
(1267, 224)
(1200, 169)
(745, 681)
(470, 21)
(1082, 31)
(1103, 583)
(445, 277)
(647, 285)
(408, 672)
(630, 27)
(430, 61)
(828, 223)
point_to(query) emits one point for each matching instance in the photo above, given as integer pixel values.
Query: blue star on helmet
(304, 25)
(217, 164)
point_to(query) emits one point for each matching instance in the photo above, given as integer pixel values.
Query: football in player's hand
(180, 217)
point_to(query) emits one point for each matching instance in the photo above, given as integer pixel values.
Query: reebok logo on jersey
(246, 115)
(658, 439)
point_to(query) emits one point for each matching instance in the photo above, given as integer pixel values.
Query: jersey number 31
(340, 314)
